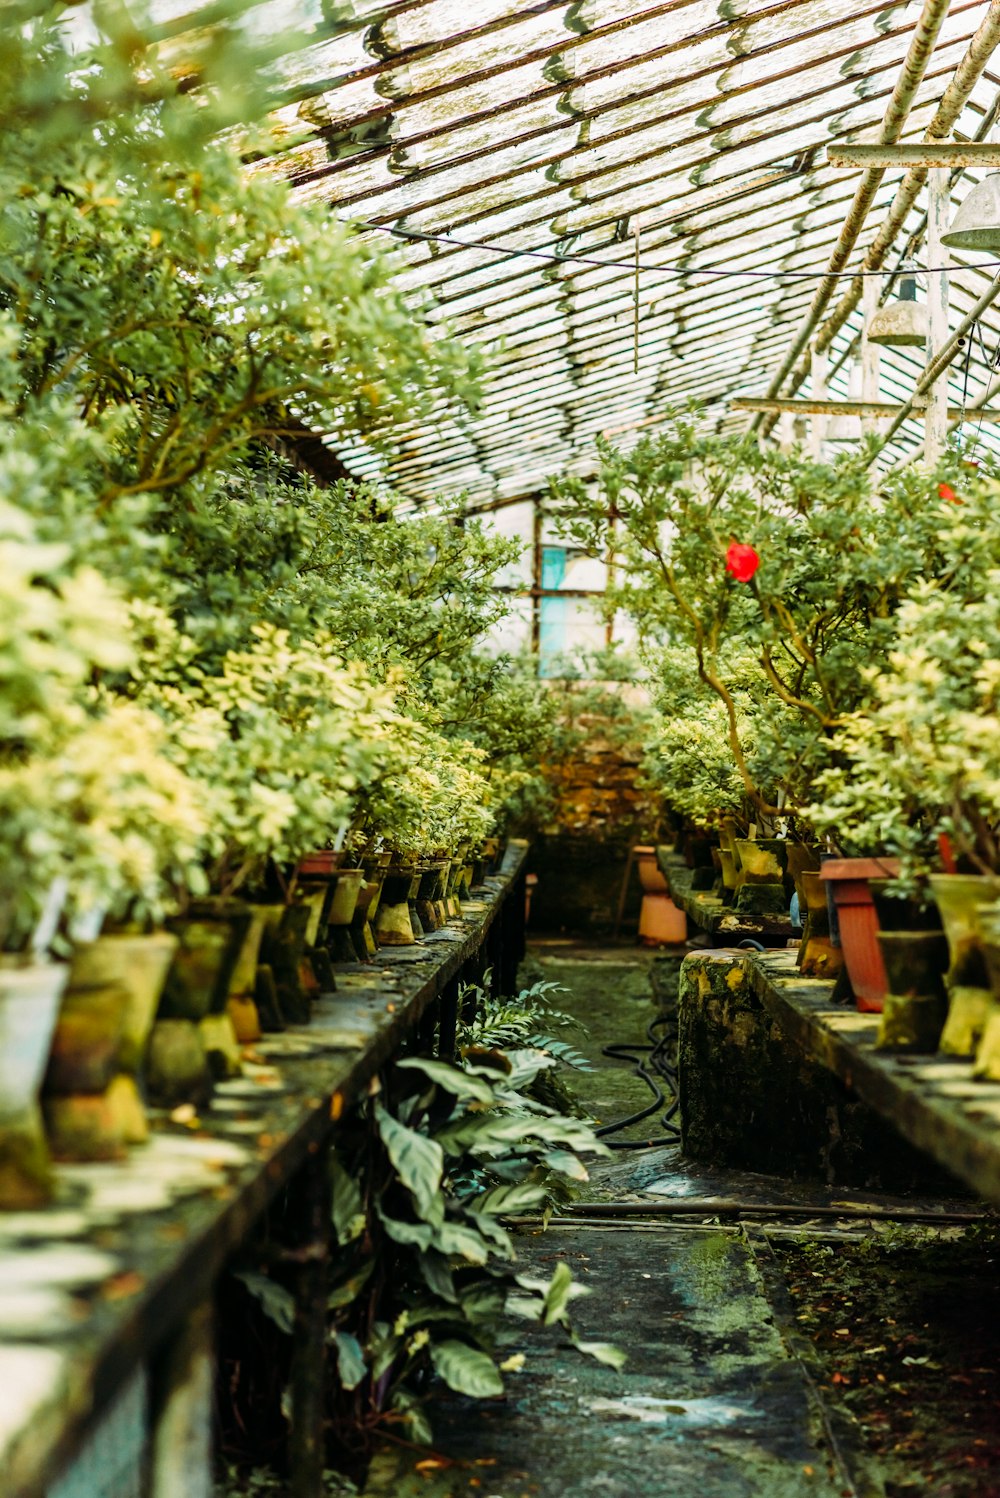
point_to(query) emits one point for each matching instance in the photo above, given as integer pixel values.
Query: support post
(870, 353)
(938, 213)
(448, 1027)
(183, 1388)
(817, 427)
(308, 1374)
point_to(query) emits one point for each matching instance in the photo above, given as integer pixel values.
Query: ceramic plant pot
(29, 1004)
(138, 966)
(427, 896)
(660, 922)
(283, 949)
(88, 1117)
(393, 926)
(344, 897)
(210, 938)
(987, 1063)
(177, 1069)
(761, 887)
(915, 1006)
(958, 898)
(817, 956)
(858, 924)
(241, 1002)
(320, 863)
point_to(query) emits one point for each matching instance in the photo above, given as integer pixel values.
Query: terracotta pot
(321, 861)
(210, 938)
(858, 924)
(660, 922)
(87, 1039)
(648, 869)
(29, 1004)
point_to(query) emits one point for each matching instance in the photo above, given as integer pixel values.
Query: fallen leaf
(120, 1286)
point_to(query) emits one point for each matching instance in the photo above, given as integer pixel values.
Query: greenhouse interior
(499, 687)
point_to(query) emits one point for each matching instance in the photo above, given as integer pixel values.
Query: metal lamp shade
(976, 225)
(899, 325)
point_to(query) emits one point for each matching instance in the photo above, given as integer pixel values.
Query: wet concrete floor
(717, 1399)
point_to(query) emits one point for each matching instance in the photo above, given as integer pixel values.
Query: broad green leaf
(567, 1164)
(277, 1303)
(454, 1238)
(419, 1234)
(347, 1293)
(351, 1365)
(557, 1296)
(520, 1197)
(461, 1084)
(347, 1210)
(603, 1352)
(437, 1276)
(467, 1370)
(418, 1161)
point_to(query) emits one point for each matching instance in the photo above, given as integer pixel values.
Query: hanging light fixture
(976, 225)
(903, 322)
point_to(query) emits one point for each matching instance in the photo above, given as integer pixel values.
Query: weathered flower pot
(210, 938)
(958, 898)
(730, 874)
(241, 1002)
(283, 948)
(987, 1063)
(817, 956)
(315, 896)
(858, 924)
(321, 863)
(393, 927)
(137, 966)
(87, 1038)
(177, 1069)
(344, 897)
(91, 1100)
(762, 860)
(29, 1004)
(897, 913)
(427, 896)
(660, 922)
(800, 859)
(915, 1007)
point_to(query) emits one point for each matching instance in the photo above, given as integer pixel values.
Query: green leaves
(277, 1303)
(419, 1161)
(466, 1370)
(352, 1368)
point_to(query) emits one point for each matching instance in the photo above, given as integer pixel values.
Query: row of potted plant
(211, 667)
(820, 642)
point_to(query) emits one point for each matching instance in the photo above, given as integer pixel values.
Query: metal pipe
(953, 101)
(941, 360)
(910, 76)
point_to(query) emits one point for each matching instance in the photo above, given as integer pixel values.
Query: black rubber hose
(657, 1052)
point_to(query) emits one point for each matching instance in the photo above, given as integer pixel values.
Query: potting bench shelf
(105, 1297)
(932, 1101)
(718, 920)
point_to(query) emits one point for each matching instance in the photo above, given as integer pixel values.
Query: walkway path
(722, 1396)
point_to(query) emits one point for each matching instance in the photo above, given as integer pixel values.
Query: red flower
(945, 491)
(741, 561)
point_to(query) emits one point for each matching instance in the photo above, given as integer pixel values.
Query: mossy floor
(738, 1382)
